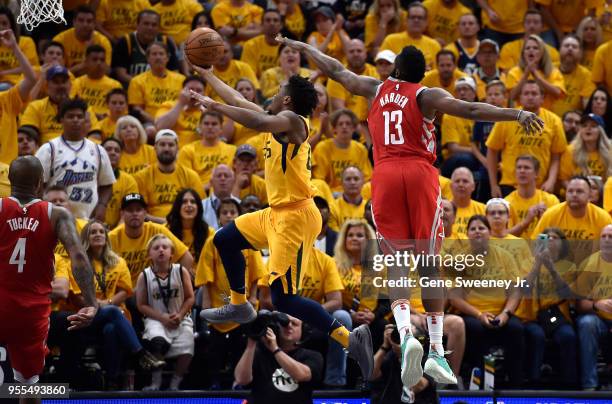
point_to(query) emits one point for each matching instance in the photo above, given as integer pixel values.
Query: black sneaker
(147, 361)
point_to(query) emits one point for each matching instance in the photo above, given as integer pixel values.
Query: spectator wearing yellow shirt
(571, 120)
(414, 35)
(261, 52)
(117, 105)
(511, 52)
(10, 66)
(462, 187)
(384, 17)
(204, 155)
(600, 103)
(527, 203)
(94, 85)
(604, 16)
(502, 21)
(577, 78)
(52, 54)
(160, 183)
(289, 61)
(563, 17)
(449, 212)
(457, 133)
(329, 37)
(124, 182)
(547, 146)
(137, 154)
(247, 183)
(602, 71)
(445, 187)
(349, 204)
(229, 70)
(595, 308)
(116, 18)
(182, 115)
(332, 156)
(445, 74)
(590, 37)
(487, 71)
(340, 97)
(77, 39)
(238, 20)
(28, 140)
(176, 17)
(590, 153)
(13, 100)
(535, 64)
(444, 16)
(149, 90)
(466, 46)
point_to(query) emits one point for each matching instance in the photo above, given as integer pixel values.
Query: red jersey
(26, 250)
(397, 127)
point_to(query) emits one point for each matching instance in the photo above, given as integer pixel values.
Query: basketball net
(35, 12)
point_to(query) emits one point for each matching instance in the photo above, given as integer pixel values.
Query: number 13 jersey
(397, 127)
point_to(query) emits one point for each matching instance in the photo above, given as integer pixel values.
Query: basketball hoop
(35, 12)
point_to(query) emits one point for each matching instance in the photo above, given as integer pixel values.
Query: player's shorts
(23, 330)
(406, 206)
(289, 232)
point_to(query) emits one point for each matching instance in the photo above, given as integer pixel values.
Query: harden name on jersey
(395, 98)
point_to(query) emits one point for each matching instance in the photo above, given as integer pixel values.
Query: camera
(275, 320)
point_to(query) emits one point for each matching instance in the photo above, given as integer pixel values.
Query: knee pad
(158, 346)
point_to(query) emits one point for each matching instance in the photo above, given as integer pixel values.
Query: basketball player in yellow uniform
(290, 225)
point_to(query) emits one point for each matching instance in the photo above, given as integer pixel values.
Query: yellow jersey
(520, 206)
(10, 106)
(8, 60)
(118, 17)
(595, 280)
(235, 71)
(152, 91)
(203, 159)
(259, 54)
(330, 161)
(578, 86)
(176, 18)
(186, 125)
(443, 20)
(359, 105)
(602, 71)
(74, 49)
(94, 91)
(429, 46)
(144, 157)
(463, 215)
(510, 54)
(125, 184)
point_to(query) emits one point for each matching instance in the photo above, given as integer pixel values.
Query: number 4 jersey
(26, 251)
(398, 128)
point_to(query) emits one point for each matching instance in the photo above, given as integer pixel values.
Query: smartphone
(543, 240)
(494, 322)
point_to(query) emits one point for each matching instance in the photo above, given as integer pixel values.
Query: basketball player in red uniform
(29, 230)
(406, 201)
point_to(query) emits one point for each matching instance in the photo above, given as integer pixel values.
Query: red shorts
(24, 332)
(406, 205)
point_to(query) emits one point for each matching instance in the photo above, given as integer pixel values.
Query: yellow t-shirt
(578, 86)
(520, 206)
(510, 14)
(432, 79)
(443, 20)
(607, 195)
(372, 23)
(94, 91)
(519, 249)
(510, 138)
(324, 191)
(259, 54)
(5, 184)
(225, 14)
(9, 61)
(330, 161)
(587, 227)
(605, 28)
(295, 22)
(397, 42)
(60, 250)
(510, 54)
(118, 17)
(152, 91)
(357, 294)
(273, 77)
(320, 277)
(43, 114)
(210, 272)
(568, 167)
(235, 71)
(568, 13)
(346, 211)
(74, 50)
(203, 159)
(595, 280)
(176, 18)
(186, 125)
(602, 71)
(456, 130)
(334, 49)
(10, 106)
(125, 184)
(257, 187)
(144, 157)
(134, 250)
(445, 188)
(463, 215)
(588, 57)
(555, 78)
(359, 105)
(159, 189)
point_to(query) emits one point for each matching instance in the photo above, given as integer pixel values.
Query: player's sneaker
(412, 354)
(360, 349)
(148, 361)
(238, 313)
(437, 367)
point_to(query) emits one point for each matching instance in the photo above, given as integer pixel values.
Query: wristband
(277, 350)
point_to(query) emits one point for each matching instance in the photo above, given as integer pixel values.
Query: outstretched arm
(358, 85)
(437, 99)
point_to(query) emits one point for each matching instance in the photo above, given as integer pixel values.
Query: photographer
(278, 370)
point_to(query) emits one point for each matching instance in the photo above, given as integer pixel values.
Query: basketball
(204, 47)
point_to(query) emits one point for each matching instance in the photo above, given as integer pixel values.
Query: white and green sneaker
(437, 367)
(412, 354)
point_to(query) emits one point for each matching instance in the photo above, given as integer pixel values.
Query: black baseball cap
(595, 118)
(246, 149)
(131, 198)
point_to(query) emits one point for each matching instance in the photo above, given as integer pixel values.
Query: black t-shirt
(130, 55)
(272, 384)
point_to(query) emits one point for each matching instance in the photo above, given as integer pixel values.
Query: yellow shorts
(289, 233)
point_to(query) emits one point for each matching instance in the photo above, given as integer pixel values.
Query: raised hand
(202, 100)
(530, 122)
(297, 45)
